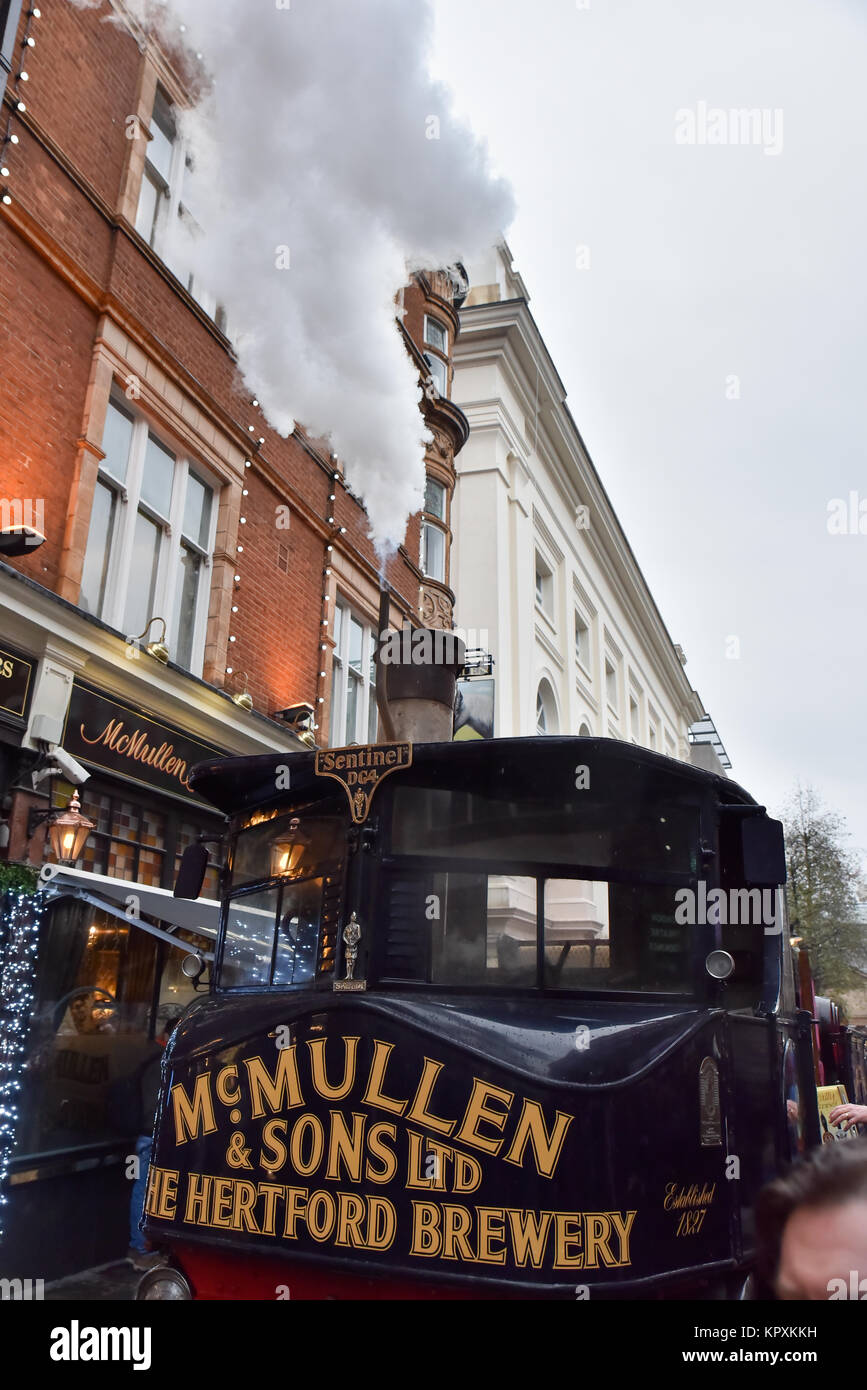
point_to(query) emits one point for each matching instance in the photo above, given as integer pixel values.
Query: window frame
(129, 503)
(438, 371)
(433, 521)
(443, 347)
(580, 622)
(8, 34)
(340, 662)
(170, 209)
(543, 594)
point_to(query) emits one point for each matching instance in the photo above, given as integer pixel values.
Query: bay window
(151, 537)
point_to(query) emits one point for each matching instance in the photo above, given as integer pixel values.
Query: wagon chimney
(417, 671)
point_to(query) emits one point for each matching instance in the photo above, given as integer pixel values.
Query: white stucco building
(541, 567)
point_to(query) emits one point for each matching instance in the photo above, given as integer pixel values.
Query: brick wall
(70, 258)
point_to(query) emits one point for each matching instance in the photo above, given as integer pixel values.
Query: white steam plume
(315, 136)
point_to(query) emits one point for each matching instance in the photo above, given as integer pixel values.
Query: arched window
(546, 710)
(584, 731)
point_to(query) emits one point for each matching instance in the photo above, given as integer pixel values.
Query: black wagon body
(511, 1018)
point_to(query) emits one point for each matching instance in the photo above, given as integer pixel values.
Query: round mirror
(719, 965)
(192, 967)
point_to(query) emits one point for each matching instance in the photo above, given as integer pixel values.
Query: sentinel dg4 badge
(360, 769)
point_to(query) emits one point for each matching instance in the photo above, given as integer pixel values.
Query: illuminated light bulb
(24, 76)
(21, 106)
(246, 492)
(234, 608)
(6, 199)
(240, 550)
(4, 172)
(252, 429)
(229, 671)
(31, 43)
(243, 521)
(247, 463)
(237, 578)
(14, 139)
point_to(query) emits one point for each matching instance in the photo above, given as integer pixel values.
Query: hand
(848, 1115)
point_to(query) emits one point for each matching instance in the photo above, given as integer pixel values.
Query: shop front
(109, 983)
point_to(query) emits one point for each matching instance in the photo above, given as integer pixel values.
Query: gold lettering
(153, 1191)
(546, 1147)
(242, 1209)
(222, 1203)
(622, 1229)
(350, 1214)
(477, 1112)
(415, 1160)
(271, 1192)
(567, 1232)
(320, 1227)
(381, 1223)
(273, 1134)
(295, 1196)
(457, 1223)
(196, 1116)
(345, 1148)
(468, 1172)
(529, 1234)
(426, 1237)
(168, 1197)
(374, 1094)
(273, 1088)
(380, 1151)
(598, 1230)
(221, 1085)
(317, 1143)
(488, 1216)
(198, 1199)
(317, 1068)
(418, 1111)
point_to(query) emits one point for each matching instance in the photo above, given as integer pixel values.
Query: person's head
(812, 1223)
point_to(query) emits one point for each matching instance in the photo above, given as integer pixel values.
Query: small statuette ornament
(351, 938)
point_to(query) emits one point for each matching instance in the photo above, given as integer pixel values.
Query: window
(10, 12)
(433, 537)
(163, 172)
(611, 684)
(582, 642)
(439, 373)
(165, 217)
(652, 728)
(544, 586)
(584, 731)
(436, 335)
(354, 714)
(546, 710)
(151, 537)
(634, 718)
(456, 911)
(281, 932)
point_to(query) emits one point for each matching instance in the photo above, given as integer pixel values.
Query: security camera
(67, 765)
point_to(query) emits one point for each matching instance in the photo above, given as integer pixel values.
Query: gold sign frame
(360, 768)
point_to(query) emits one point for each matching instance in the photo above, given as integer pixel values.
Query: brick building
(170, 512)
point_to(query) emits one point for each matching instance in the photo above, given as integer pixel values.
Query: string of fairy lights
(19, 945)
(17, 85)
(327, 571)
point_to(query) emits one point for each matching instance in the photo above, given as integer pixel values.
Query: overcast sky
(714, 350)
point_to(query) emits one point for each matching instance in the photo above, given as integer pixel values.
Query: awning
(127, 901)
